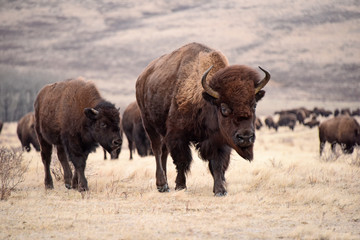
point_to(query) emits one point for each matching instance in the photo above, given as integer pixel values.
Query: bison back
(59, 107)
(175, 80)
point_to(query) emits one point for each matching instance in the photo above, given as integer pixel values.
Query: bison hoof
(180, 187)
(221, 194)
(68, 186)
(83, 189)
(49, 186)
(164, 188)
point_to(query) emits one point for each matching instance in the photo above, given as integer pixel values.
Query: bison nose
(245, 139)
(117, 142)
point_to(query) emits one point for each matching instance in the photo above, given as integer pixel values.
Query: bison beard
(181, 105)
(72, 116)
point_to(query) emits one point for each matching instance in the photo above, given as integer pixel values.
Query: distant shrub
(12, 170)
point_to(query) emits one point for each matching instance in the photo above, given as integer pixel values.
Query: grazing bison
(344, 130)
(135, 132)
(192, 96)
(270, 123)
(355, 112)
(312, 123)
(287, 120)
(26, 132)
(321, 112)
(74, 117)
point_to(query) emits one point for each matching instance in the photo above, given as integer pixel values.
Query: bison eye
(225, 110)
(103, 125)
(254, 106)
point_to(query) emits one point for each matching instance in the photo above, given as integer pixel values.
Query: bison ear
(259, 95)
(91, 113)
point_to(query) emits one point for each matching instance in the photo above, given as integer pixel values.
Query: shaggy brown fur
(177, 112)
(26, 132)
(135, 132)
(73, 116)
(343, 130)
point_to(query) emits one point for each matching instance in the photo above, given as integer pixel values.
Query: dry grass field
(287, 192)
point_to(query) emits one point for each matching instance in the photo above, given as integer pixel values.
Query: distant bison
(270, 123)
(355, 112)
(343, 130)
(135, 132)
(287, 120)
(312, 123)
(26, 132)
(181, 105)
(258, 123)
(322, 112)
(74, 117)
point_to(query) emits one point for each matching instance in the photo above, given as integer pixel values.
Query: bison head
(104, 127)
(235, 91)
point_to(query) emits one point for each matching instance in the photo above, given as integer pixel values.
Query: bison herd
(189, 97)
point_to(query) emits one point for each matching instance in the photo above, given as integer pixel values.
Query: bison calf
(343, 130)
(74, 117)
(26, 132)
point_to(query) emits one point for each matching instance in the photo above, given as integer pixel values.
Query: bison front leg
(217, 167)
(181, 155)
(79, 181)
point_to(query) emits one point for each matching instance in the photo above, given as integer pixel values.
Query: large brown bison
(344, 130)
(26, 132)
(134, 131)
(192, 96)
(74, 117)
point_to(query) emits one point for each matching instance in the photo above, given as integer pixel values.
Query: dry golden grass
(287, 192)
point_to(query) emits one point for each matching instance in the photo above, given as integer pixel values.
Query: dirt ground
(287, 192)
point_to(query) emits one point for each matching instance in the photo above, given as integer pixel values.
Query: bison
(270, 123)
(26, 132)
(74, 117)
(344, 130)
(193, 96)
(135, 132)
(312, 123)
(258, 123)
(288, 120)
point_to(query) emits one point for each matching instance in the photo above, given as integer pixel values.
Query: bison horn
(206, 86)
(95, 112)
(263, 82)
